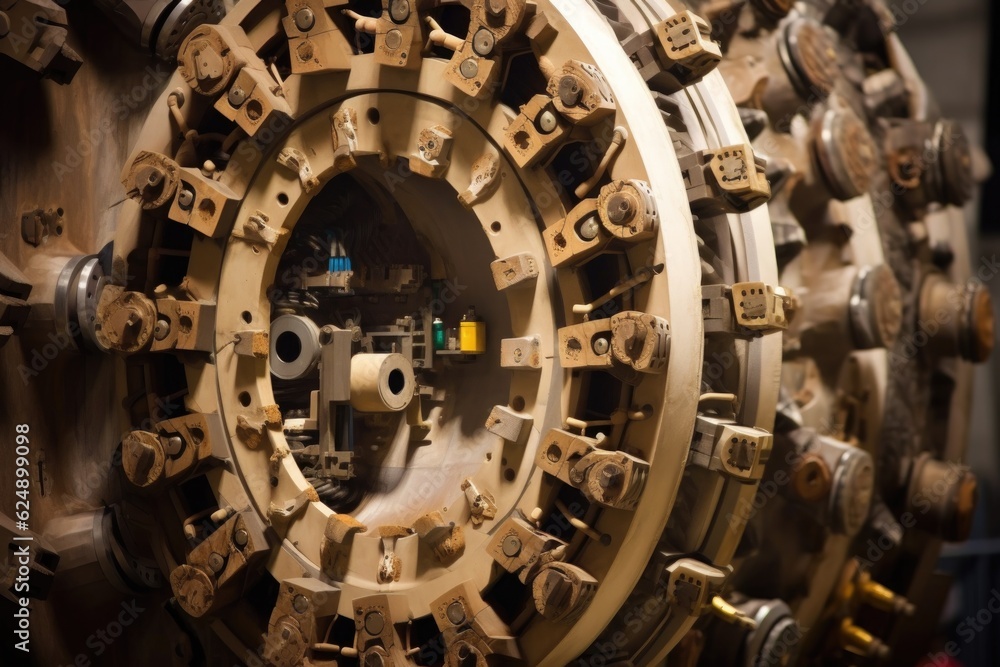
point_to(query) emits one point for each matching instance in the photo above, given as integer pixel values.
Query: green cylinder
(437, 332)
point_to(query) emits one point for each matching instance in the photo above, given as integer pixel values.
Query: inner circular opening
(393, 263)
(288, 346)
(397, 381)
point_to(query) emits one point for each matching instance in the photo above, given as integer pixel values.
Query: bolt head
(161, 330)
(511, 546)
(174, 445)
(547, 122)
(393, 39)
(620, 209)
(374, 623)
(300, 604)
(374, 660)
(305, 19)
(399, 10)
(186, 199)
(456, 613)
(326, 335)
(148, 182)
(237, 96)
(570, 91)
(610, 476)
(469, 68)
(483, 42)
(601, 345)
(241, 538)
(589, 228)
(216, 562)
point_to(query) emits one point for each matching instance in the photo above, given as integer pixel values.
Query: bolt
(186, 198)
(161, 330)
(547, 121)
(511, 546)
(147, 182)
(601, 345)
(611, 476)
(241, 538)
(393, 39)
(237, 96)
(300, 604)
(216, 562)
(483, 42)
(374, 623)
(456, 613)
(174, 446)
(570, 92)
(399, 10)
(619, 208)
(496, 8)
(374, 660)
(557, 590)
(635, 337)
(589, 228)
(326, 335)
(469, 68)
(305, 19)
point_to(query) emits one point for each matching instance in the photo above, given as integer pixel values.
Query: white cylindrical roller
(381, 382)
(295, 347)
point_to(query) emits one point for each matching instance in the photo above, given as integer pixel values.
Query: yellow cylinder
(472, 334)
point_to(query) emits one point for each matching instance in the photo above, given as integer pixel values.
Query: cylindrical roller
(876, 308)
(941, 498)
(860, 307)
(846, 153)
(295, 347)
(806, 52)
(381, 382)
(74, 302)
(955, 319)
(853, 485)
